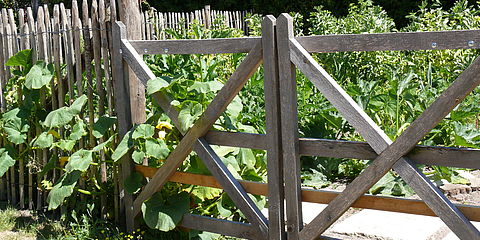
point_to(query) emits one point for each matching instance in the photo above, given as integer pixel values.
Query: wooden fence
(155, 22)
(67, 39)
(281, 53)
(78, 42)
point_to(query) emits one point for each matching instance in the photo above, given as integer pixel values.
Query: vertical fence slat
(4, 187)
(88, 69)
(41, 56)
(68, 49)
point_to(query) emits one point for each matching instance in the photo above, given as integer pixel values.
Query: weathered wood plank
(77, 39)
(68, 43)
(122, 106)
(88, 69)
(196, 46)
(464, 39)
(389, 154)
(224, 227)
(428, 155)
(276, 196)
(392, 204)
(57, 59)
(232, 187)
(289, 123)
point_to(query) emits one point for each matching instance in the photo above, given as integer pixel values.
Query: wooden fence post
(124, 116)
(289, 122)
(276, 225)
(208, 19)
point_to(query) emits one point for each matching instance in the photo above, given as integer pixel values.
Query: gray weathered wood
(427, 155)
(122, 104)
(289, 123)
(224, 227)
(130, 15)
(389, 154)
(276, 196)
(392, 41)
(76, 46)
(57, 57)
(88, 69)
(232, 187)
(69, 54)
(197, 46)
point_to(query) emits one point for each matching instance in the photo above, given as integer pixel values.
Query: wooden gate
(281, 54)
(294, 52)
(128, 55)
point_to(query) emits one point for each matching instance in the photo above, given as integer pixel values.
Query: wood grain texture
(223, 227)
(129, 12)
(391, 41)
(276, 195)
(392, 204)
(196, 46)
(232, 187)
(68, 48)
(289, 123)
(122, 101)
(389, 154)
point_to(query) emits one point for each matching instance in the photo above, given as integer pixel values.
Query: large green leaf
(39, 75)
(58, 118)
(15, 125)
(138, 156)
(206, 192)
(143, 131)
(134, 182)
(189, 114)
(78, 131)
(78, 104)
(80, 161)
(5, 161)
(235, 107)
(15, 135)
(44, 140)
(246, 157)
(123, 147)
(66, 145)
(206, 87)
(222, 206)
(156, 148)
(21, 59)
(101, 146)
(157, 84)
(64, 188)
(165, 214)
(102, 125)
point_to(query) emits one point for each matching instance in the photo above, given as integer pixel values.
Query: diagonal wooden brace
(192, 137)
(390, 154)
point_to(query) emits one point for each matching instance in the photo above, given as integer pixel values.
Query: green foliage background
(392, 87)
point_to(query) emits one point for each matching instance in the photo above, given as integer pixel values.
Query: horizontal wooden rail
(428, 155)
(196, 46)
(441, 40)
(220, 226)
(391, 204)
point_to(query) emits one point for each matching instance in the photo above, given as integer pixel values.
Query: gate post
(120, 76)
(276, 197)
(289, 123)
